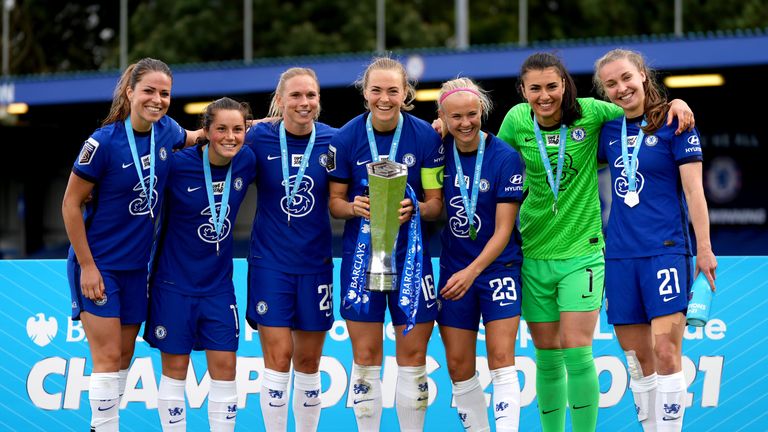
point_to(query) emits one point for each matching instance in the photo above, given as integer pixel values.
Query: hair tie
(456, 90)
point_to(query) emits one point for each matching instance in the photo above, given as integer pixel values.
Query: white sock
(644, 393)
(411, 397)
(222, 406)
(470, 403)
(670, 402)
(274, 400)
(506, 399)
(365, 387)
(104, 396)
(122, 377)
(306, 401)
(171, 406)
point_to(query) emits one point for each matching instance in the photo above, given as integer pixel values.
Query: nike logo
(276, 405)
(505, 303)
(357, 401)
(230, 417)
(191, 189)
(175, 421)
(311, 405)
(665, 418)
(580, 407)
(550, 411)
(422, 398)
(107, 408)
(429, 305)
(127, 165)
(497, 418)
(362, 163)
(612, 142)
(667, 299)
(529, 139)
(270, 157)
(586, 296)
(328, 314)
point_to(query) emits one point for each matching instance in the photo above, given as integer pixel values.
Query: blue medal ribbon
(630, 165)
(470, 204)
(137, 162)
(372, 139)
(410, 279)
(289, 194)
(357, 294)
(554, 181)
(217, 217)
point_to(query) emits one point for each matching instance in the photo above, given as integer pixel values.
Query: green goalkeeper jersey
(576, 229)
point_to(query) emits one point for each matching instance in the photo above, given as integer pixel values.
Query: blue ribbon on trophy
(410, 279)
(357, 294)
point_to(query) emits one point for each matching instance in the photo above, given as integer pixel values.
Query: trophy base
(381, 282)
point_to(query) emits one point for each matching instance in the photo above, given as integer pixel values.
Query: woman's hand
(685, 121)
(91, 283)
(361, 206)
(707, 264)
(406, 211)
(458, 284)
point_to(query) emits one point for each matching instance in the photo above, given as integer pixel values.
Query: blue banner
(46, 364)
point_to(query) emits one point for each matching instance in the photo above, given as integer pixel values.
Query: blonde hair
(465, 84)
(655, 105)
(121, 106)
(275, 110)
(388, 63)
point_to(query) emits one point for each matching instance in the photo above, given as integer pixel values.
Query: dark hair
(275, 110)
(226, 104)
(569, 107)
(121, 106)
(655, 106)
(388, 63)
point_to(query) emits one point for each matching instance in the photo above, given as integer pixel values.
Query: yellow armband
(432, 178)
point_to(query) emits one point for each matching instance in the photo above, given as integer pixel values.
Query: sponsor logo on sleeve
(89, 149)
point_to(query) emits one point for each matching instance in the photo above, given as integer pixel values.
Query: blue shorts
(640, 289)
(298, 301)
(179, 323)
(125, 295)
(427, 311)
(495, 295)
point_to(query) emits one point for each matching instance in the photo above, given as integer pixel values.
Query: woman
(648, 273)
(123, 167)
(556, 134)
(386, 129)
(481, 257)
(192, 297)
(291, 305)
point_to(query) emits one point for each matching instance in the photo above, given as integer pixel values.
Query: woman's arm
(690, 174)
(341, 208)
(78, 190)
(461, 281)
(432, 206)
(685, 121)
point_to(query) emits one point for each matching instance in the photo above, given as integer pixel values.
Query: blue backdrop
(46, 364)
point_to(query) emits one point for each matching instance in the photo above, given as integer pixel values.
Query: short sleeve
(339, 152)
(93, 160)
(177, 133)
(509, 179)
(687, 146)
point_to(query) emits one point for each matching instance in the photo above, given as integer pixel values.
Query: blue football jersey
(186, 258)
(304, 246)
(659, 223)
(349, 153)
(501, 180)
(117, 222)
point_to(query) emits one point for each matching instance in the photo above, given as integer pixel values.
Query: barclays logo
(41, 330)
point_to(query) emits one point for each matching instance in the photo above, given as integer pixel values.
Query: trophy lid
(386, 168)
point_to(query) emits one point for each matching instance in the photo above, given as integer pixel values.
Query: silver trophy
(386, 185)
